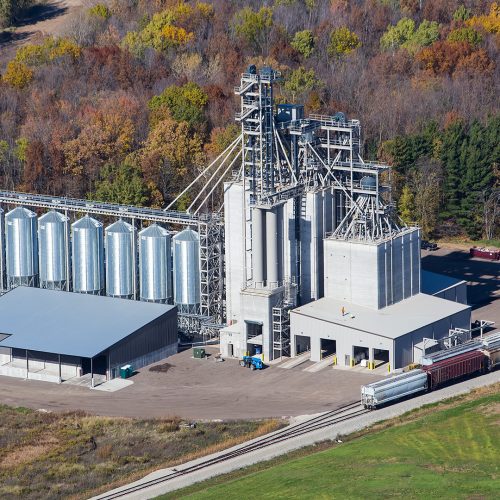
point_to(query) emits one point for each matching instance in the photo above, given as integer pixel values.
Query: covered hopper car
(430, 377)
(452, 352)
(491, 349)
(393, 388)
(452, 368)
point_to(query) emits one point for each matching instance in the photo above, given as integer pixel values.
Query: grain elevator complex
(306, 255)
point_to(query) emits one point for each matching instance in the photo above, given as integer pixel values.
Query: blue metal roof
(70, 323)
(433, 283)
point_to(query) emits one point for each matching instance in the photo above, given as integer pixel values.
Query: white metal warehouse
(353, 332)
(54, 336)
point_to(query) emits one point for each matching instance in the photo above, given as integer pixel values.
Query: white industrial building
(444, 287)
(316, 259)
(353, 332)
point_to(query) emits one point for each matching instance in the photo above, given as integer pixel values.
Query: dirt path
(47, 19)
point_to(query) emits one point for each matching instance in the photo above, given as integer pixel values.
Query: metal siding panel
(397, 270)
(406, 241)
(416, 271)
(186, 251)
(152, 337)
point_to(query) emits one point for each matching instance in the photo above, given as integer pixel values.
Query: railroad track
(336, 416)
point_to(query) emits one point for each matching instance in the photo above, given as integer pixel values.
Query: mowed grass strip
(451, 453)
(72, 455)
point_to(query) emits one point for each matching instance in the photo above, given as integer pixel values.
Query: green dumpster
(199, 352)
(126, 371)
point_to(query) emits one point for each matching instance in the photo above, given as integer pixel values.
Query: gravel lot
(199, 389)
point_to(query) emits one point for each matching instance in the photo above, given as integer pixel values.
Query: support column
(27, 365)
(59, 359)
(92, 372)
(272, 246)
(67, 243)
(315, 343)
(371, 361)
(134, 261)
(258, 245)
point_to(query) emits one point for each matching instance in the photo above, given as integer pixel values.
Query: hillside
(134, 97)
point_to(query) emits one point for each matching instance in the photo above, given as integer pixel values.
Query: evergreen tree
(453, 138)
(477, 181)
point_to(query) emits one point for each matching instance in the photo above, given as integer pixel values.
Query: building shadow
(482, 276)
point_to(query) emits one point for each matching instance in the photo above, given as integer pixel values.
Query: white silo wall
(2, 251)
(289, 242)
(373, 274)
(316, 221)
(234, 253)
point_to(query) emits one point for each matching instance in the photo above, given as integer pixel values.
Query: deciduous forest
(137, 96)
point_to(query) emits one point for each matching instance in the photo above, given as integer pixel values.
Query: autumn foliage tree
(138, 95)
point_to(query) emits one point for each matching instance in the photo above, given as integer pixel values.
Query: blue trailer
(252, 362)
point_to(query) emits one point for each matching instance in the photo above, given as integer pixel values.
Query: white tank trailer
(186, 252)
(155, 265)
(53, 230)
(88, 256)
(399, 386)
(21, 246)
(120, 260)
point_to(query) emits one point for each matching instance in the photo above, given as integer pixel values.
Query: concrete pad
(320, 365)
(114, 385)
(292, 363)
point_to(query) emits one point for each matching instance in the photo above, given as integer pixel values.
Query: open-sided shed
(53, 335)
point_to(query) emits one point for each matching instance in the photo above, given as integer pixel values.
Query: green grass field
(450, 453)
